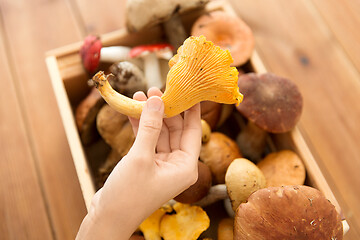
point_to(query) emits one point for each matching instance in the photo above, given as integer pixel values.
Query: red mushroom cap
(137, 51)
(90, 53)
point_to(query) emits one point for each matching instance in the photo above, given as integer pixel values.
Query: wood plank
(101, 18)
(295, 42)
(32, 28)
(343, 18)
(23, 213)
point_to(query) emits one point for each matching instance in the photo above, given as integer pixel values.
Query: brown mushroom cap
(273, 103)
(228, 32)
(210, 112)
(290, 212)
(218, 153)
(115, 129)
(199, 189)
(85, 116)
(283, 168)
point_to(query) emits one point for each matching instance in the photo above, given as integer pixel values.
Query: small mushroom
(85, 116)
(218, 153)
(225, 229)
(151, 54)
(186, 224)
(92, 53)
(272, 104)
(141, 14)
(242, 179)
(115, 129)
(227, 31)
(211, 112)
(283, 168)
(150, 227)
(206, 131)
(199, 189)
(289, 212)
(200, 71)
(127, 79)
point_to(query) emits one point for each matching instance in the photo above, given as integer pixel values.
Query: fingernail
(154, 103)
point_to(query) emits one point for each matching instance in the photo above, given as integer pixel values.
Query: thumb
(150, 125)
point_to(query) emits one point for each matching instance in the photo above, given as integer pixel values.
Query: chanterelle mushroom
(290, 212)
(272, 104)
(200, 71)
(187, 224)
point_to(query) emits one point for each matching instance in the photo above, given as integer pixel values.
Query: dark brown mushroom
(290, 212)
(85, 116)
(271, 104)
(199, 189)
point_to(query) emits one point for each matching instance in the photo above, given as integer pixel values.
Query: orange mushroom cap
(228, 32)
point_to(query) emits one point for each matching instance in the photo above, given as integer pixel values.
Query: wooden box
(69, 81)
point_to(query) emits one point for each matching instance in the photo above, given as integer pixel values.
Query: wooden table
(313, 42)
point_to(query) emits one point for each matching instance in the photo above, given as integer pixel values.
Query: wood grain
(295, 42)
(101, 18)
(343, 18)
(32, 27)
(23, 213)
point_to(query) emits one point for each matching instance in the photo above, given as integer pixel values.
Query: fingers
(191, 136)
(175, 128)
(163, 142)
(140, 96)
(149, 126)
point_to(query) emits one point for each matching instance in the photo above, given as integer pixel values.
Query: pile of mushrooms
(262, 190)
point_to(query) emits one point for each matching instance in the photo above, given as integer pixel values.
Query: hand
(160, 165)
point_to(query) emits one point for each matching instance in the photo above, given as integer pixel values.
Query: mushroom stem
(216, 193)
(175, 31)
(114, 54)
(119, 102)
(252, 141)
(152, 71)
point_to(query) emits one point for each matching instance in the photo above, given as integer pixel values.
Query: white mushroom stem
(114, 54)
(118, 54)
(152, 70)
(216, 193)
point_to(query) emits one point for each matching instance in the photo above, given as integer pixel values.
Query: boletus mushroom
(186, 224)
(141, 14)
(289, 212)
(242, 179)
(199, 71)
(85, 116)
(206, 131)
(218, 153)
(228, 32)
(272, 104)
(283, 168)
(200, 188)
(115, 129)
